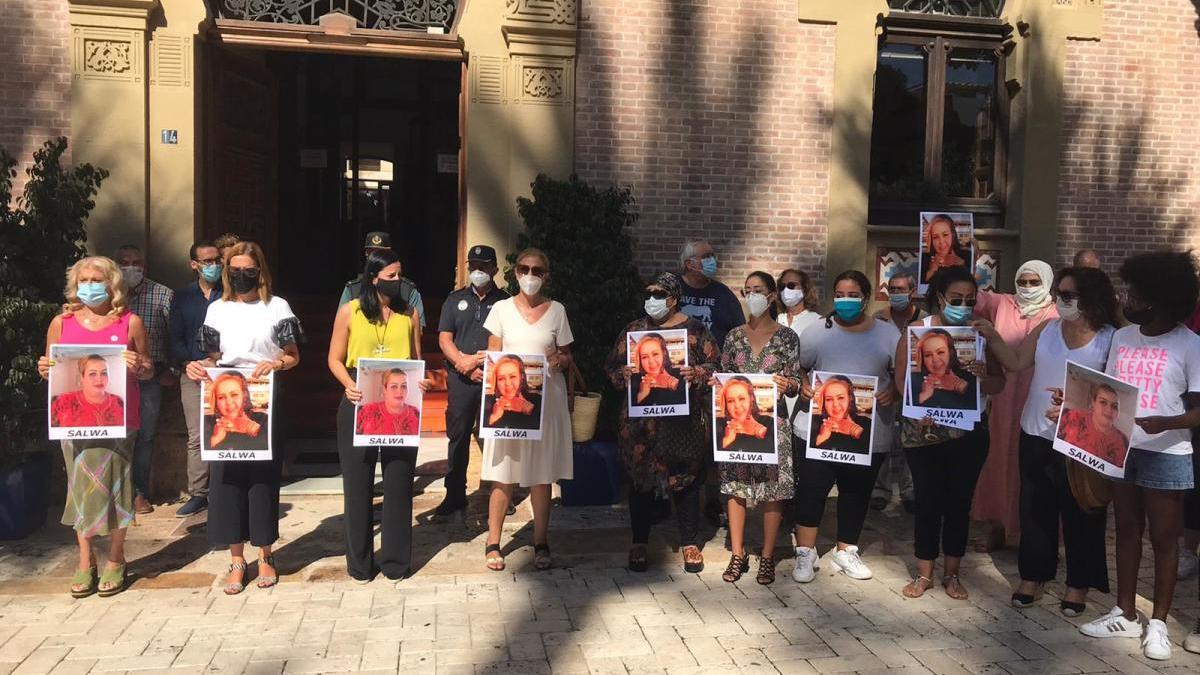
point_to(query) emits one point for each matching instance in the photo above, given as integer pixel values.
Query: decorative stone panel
(108, 54)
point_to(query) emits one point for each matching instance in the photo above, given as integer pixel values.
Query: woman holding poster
(847, 341)
(945, 460)
(1160, 356)
(530, 323)
(759, 346)
(249, 327)
(664, 456)
(378, 324)
(1087, 311)
(99, 471)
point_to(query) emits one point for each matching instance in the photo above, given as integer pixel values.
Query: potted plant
(41, 234)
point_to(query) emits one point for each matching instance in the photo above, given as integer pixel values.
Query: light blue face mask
(708, 266)
(899, 301)
(956, 315)
(211, 273)
(92, 293)
(848, 309)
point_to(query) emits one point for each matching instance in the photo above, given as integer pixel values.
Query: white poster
(86, 395)
(946, 240)
(1096, 421)
(938, 384)
(744, 418)
(656, 388)
(389, 412)
(842, 421)
(236, 409)
(512, 396)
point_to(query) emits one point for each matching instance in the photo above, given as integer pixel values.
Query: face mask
(1067, 311)
(956, 315)
(757, 303)
(479, 278)
(530, 285)
(1138, 316)
(243, 282)
(708, 266)
(388, 288)
(211, 273)
(848, 309)
(791, 297)
(133, 276)
(92, 293)
(899, 301)
(657, 308)
(1031, 295)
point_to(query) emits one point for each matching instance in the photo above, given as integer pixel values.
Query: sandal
(86, 579)
(235, 587)
(265, 581)
(917, 587)
(115, 578)
(766, 571)
(952, 580)
(541, 557)
(693, 559)
(738, 565)
(494, 563)
(637, 558)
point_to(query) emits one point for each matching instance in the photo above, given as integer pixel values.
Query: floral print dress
(666, 454)
(781, 355)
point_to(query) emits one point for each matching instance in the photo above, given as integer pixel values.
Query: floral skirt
(99, 485)
(762, 482)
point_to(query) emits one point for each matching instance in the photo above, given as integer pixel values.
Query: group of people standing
(1004, 466)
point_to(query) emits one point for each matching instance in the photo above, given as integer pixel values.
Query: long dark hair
(941, 281)
(1097, 299)
(955, 244)
(769, 282)
(368, 295)
(864, 287)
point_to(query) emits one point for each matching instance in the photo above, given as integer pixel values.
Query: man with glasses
(382, 241)
(901, 312)
(463, 342)
(187, 315)
(704, 297)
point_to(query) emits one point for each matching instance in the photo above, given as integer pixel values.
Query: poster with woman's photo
(938, 384)
(656, 388)
(744, 418)
(841, 425)
(389, 412)
(236, 409)
(86, 396)
(512, 396)
(946, 240)
(1096, 421)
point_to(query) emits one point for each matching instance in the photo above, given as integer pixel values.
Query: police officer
(463, 341)
(408, 290)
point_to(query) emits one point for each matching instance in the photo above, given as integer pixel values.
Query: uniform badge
(462, 305)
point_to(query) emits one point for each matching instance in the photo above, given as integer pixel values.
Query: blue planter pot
(597, 475)
(24, 491)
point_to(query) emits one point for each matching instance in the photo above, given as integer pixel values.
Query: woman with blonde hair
(100, 471)
(248, 327)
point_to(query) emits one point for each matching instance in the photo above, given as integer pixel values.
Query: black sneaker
(450, 506)
(192, 507)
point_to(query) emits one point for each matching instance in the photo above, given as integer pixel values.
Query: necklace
(380, 339)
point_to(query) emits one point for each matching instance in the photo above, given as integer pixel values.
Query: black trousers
(944, 478)
(813, 480)
(687, 513)
(243, 501)
(462, 420)
(1045, 500)
(358, 488)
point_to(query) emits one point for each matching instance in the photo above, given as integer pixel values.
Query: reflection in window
(898, 130)
(968, 134)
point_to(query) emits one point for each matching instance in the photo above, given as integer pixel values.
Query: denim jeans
(143, 448)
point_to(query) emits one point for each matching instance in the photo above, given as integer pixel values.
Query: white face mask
(479, 278)
(530, 285)
(657, 309)
(791, 297)
(1068, 311)
(1031, 295)
(757, 303)
(133, 276)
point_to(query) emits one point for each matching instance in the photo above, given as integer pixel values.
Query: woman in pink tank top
(100, 471)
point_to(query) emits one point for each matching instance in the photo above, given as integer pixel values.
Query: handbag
(1090, 488)
(584, 407)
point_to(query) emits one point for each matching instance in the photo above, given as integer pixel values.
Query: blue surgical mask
(956, 315)
(848, 309)
(211, 273)
(899, 301)
(92, 293)
(708, 266)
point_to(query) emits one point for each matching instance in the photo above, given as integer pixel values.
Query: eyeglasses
(1029, 283)
(534, 270)
(958, 302)
(657, 294)
(210, 261)
(1066, 296)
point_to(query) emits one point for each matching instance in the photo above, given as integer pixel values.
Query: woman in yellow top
(378, 324)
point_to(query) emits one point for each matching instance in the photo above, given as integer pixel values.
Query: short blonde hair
(538, 253)
(112, 279)
(264, 274)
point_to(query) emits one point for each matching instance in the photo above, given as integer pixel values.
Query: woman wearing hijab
(1015, 317)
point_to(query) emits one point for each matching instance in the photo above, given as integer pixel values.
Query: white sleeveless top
(1050, 370)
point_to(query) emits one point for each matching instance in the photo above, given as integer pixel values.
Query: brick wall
(35, 79)
(1128, 181)
(716, 113)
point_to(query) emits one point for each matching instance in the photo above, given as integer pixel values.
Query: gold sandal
(264, 581)
(235, 587)
(917, 589)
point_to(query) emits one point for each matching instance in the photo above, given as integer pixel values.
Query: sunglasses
(656, 294)
(1066, 296)
(1029, 283)
(792, 285)
(248, 272)
(534, 270)
(958, 302)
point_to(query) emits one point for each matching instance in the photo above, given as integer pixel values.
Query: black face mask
(1139, 317)
(389, 289)
(243, 280)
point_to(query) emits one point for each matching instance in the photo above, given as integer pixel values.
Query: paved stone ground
(587, 615)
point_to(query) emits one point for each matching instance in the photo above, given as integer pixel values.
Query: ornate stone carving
(545, 11)
(107, 57)
(979, 8)
(542, 83)
(374, 14)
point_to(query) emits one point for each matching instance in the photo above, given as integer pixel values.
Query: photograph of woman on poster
(837, 424)
(511, 405)
(234, 424)
(91, 405)
(942, 381)
(743, 428)
(1094, 430)
(942, 247)
(393, 415)
(656, 381)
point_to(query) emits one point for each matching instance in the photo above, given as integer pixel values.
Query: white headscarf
(1033, 300)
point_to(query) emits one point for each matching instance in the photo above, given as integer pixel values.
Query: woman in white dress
(530, 323)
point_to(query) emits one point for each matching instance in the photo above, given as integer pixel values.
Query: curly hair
(1097, 299)
(1165, 280)
(112, 278)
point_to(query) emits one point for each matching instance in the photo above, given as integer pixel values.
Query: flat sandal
(495, 564)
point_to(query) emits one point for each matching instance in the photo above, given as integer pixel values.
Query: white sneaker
(1157, 643)
(1189, 563)
(807, 564)
(851, 564)
(1112, 625)
(1192, 642)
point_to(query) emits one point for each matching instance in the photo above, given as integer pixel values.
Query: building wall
(720, 123)
(1128, 182)
(35, 82)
